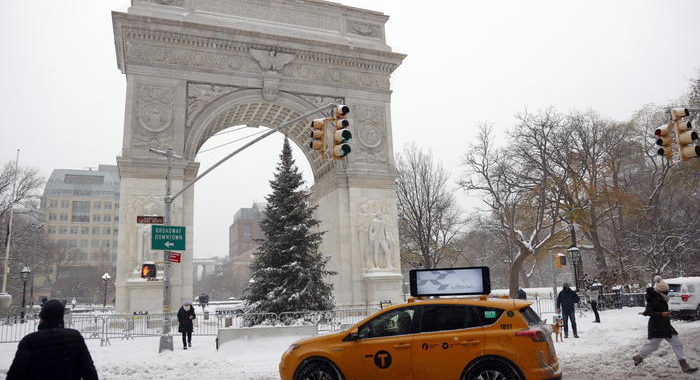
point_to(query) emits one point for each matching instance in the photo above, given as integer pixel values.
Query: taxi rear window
(530, 316)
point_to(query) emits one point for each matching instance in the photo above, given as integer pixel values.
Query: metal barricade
(13, 329)
(126, 326)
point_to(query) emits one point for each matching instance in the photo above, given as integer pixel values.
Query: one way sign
(170, 238)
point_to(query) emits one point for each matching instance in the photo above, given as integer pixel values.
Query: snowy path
(603, 349)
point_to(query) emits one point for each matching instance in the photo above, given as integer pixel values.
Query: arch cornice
(248, 107)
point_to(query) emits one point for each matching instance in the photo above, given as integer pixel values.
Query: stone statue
(379, 239)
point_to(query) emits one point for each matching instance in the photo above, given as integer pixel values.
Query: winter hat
(52, 313)
(186, 303)
(661, 286)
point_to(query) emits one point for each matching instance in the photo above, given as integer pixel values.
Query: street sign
(168, 238)
(175, 257)
(146, 219)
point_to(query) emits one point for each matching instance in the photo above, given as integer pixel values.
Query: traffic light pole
(166, 339)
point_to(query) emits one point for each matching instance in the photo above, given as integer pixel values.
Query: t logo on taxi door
(382, 359)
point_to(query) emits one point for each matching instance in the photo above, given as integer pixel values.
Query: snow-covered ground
(603, 349)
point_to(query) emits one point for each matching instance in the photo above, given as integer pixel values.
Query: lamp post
(25, 275)
(105, 278)
(575, 257)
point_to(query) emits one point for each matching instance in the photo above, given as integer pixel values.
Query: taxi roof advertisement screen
(450, 281)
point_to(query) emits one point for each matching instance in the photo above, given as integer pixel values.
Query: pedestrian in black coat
(566, 304)
(52, 352)
(659, 327)
(185, 318)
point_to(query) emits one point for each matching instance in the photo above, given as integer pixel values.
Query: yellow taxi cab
(432, 339)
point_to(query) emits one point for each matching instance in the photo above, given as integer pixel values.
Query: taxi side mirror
(353, 336)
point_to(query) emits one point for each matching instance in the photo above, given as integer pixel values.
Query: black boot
(686, 368)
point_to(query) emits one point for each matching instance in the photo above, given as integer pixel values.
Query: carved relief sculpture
(271, 63)
(375, 237)
(154, 115)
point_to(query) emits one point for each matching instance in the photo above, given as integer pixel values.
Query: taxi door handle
(402, 345)
(471, 342)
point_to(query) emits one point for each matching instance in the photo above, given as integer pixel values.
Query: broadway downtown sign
(170, 238)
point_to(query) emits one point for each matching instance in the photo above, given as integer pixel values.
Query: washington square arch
(195, 67)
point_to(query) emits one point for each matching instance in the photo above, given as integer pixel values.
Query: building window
(105, 243)
(247, 231)
(107, 218)
(74, 230)
(73, 243)
(96, 218)
(95, 230)
(53, 203)
(95, 244)
(63, 230)
(80, 213)
(51, 241)
(97, 205)
(106, 230)
(65, 204)
(63, 217)
(83, 256)
(52, 217)
(83, 243)
(94, 256)
(84, 230)
(108, 205)
(51, 230)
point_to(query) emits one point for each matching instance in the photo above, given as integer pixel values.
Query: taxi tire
(324, 368)
(489, 366)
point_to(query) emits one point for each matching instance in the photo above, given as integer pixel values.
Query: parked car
(445, 338)
(684, 297)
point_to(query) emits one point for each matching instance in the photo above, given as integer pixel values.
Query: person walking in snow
(592, 295)
(659, 327)
(52, 352)
(185, 319)
(566, 305)
(521, 294)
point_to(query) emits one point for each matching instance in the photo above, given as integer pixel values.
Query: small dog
(557, 327)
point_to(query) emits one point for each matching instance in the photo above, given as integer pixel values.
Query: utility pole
(166, 340)
(6, 269)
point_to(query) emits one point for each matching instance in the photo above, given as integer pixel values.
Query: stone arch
(195, 67)
(248, 107)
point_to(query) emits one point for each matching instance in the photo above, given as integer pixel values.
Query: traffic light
(148, 271)
(559, 260)
(342, 134)
(318, 135)
(686, 137)
(664, 141)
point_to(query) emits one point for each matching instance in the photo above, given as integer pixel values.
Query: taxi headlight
(291, 348)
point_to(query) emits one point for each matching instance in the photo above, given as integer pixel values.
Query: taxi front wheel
(491, 369)
(317, 369)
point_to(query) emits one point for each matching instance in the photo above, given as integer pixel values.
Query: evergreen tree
(287, 270)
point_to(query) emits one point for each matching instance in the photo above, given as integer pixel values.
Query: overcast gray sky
(62, 95)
